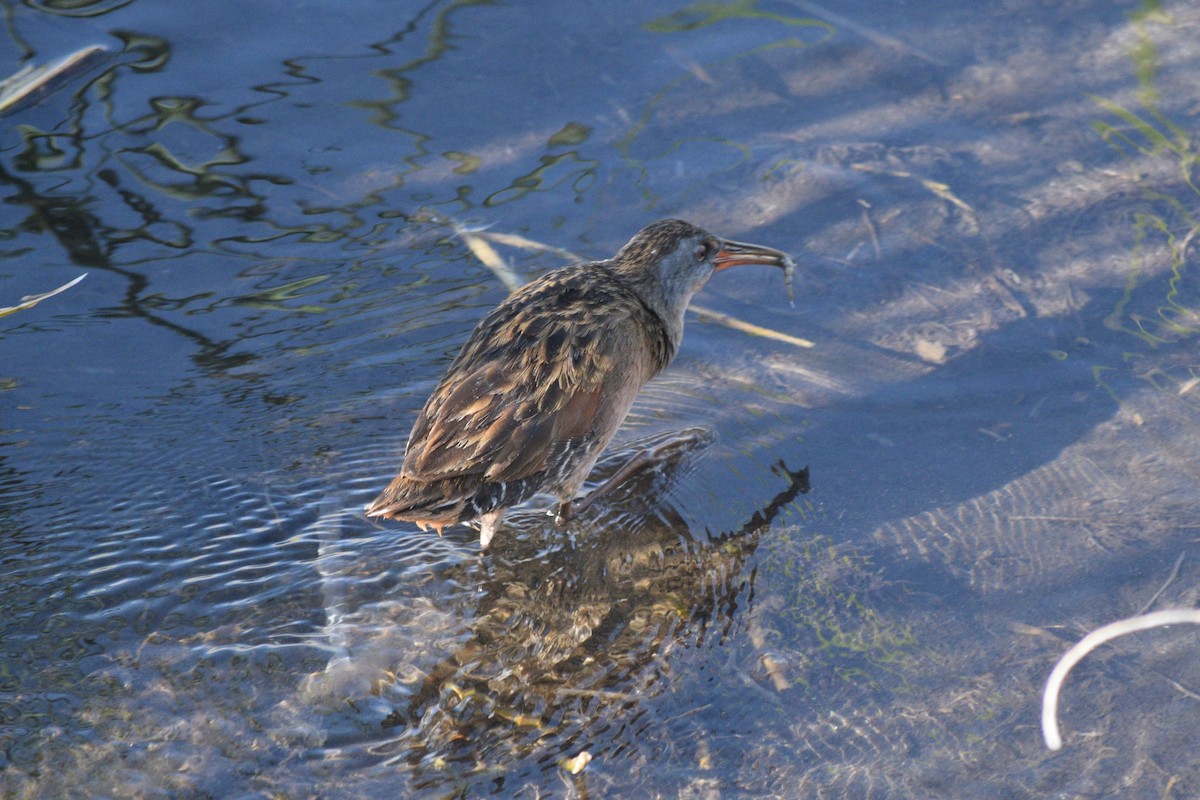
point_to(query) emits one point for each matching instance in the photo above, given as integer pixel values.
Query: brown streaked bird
(544, 381)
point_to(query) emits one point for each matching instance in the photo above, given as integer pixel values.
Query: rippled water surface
(994, 211)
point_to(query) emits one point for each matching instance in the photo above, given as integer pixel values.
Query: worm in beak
(732, 254)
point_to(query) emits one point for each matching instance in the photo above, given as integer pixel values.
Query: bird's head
(670, 260)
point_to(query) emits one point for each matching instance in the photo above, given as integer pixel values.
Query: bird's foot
(488, 523)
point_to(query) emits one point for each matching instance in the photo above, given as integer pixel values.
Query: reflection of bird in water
(544, 381)
(573, 633)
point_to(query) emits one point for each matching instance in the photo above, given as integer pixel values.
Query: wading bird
(544, 381)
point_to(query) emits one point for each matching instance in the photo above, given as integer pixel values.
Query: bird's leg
(627, 469)
(564, 515)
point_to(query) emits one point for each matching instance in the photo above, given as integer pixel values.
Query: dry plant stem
(866, 215)
(870, 34)
(1179, 687)
(1174, 616)
(941, 190)
(29, 301)
(488, 256)
(516, 240)
(748, 327)
(30, 80)
(1170, 579)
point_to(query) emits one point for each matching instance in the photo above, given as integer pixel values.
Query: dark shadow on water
(935, 448)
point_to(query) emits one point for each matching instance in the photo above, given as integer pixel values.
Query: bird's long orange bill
(732, 254)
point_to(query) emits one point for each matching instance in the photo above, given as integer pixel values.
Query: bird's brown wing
(534, 375)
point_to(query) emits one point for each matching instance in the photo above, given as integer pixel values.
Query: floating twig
(1174, 616)
(942, 190)
(516, 240)
(1179, 687)
(488, 256)
(1170, 579)
(23, 84)
(870, 34)
(866, 215)
(29, 301)
(748, 327)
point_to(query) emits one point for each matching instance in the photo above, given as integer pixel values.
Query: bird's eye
(703, 251)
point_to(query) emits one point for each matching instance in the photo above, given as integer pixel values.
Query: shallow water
(994, 217)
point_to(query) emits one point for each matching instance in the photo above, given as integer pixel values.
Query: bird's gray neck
(671, 317)
(653, 296)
